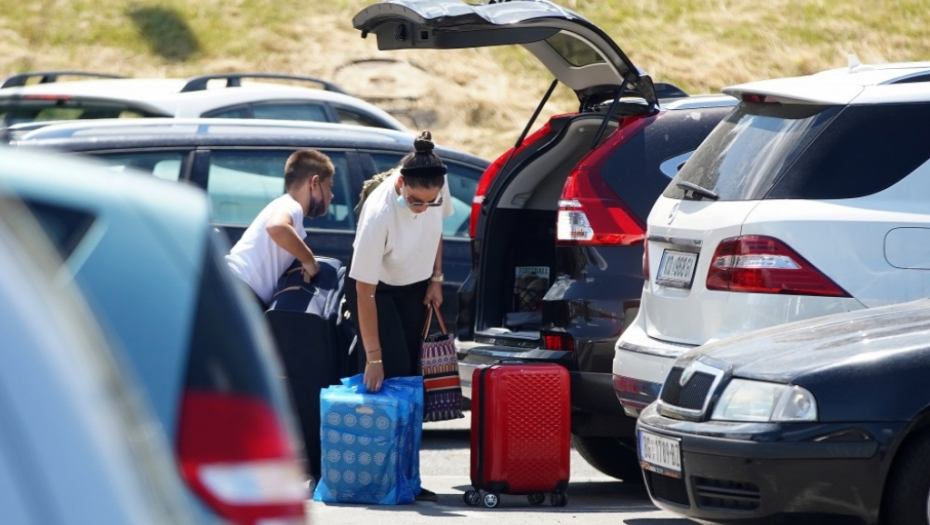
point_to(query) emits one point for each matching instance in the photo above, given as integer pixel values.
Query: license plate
(659, 454)
(676, 268)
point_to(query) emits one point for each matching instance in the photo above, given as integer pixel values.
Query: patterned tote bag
(442, 389)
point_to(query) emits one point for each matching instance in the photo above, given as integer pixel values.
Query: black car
(558, 221)
(820, 421)
(240, 164)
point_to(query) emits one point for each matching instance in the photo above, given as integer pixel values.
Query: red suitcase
(520, 433)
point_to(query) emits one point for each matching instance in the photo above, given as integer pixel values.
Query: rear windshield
(25, 110)
(799, 151)
(224, 351)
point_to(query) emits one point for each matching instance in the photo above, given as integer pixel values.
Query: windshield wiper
(699, 190)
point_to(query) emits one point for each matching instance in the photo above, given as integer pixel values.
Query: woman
(396, 266)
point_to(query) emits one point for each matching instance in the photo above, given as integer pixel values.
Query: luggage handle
(429, 319)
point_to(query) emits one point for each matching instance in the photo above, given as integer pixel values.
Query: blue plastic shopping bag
(371, 442)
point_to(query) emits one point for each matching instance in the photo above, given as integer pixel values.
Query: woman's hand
(433, 295)
(374, 376)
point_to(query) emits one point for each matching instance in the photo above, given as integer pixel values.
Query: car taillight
(590, 213)
(236, 456)
(760, 264)
(559, 341)
(491, 172)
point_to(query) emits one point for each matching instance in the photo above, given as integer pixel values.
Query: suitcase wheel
(472, 498)
(536, 498)
(492, 500)
(558, 499)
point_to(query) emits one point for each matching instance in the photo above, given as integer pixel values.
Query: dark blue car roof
(160, 133)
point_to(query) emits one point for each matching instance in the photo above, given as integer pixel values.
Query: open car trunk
(519, 262)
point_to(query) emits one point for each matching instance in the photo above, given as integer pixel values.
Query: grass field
(476, 100)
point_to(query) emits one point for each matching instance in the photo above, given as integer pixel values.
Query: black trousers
(401, 316)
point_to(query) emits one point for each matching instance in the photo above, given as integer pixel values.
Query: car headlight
(745, 400)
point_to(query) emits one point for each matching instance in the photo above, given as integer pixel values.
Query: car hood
(577, 52)
(826, 347)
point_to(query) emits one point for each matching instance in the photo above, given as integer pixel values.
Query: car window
(65, 227)
(241, 183)
(165, 165)
(574, 51)
(20, 111)
(223, 352)
(463, 181)
(357, 119)
(776, 151)
(311, 112)
(849, 159)
(751, 148)
(234, 112)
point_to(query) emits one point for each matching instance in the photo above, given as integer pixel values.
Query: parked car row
(640, 242)
(240, 165)
(789, 199)
(811, 198)
(558, 221)
(226, 95)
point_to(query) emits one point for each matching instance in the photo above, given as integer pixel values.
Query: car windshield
(802, 151)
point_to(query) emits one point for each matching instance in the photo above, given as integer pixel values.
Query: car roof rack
(46, 77)
(235, 80)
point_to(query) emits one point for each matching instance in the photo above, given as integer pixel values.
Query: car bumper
(591, 392)
(640, 366)
(770, 473)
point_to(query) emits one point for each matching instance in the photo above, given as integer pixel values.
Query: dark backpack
(314, 339)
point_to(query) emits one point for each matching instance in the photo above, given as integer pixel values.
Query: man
(276, 236)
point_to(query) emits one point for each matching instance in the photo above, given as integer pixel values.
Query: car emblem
(671, 214)
(686, 374)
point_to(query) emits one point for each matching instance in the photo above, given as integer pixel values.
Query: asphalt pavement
(593, 498)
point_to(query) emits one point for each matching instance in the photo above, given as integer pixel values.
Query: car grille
(668, 489)
(729, 495)
(692, 395)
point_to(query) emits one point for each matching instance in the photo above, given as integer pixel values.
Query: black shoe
(426, 495)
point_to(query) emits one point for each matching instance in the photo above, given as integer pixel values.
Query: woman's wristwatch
(437, 278)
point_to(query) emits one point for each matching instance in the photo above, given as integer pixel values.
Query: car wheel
(615, 457)
(907, 494)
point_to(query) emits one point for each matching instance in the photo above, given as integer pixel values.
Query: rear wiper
(699, 190)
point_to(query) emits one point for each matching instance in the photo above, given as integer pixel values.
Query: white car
(215, 96)
(811, 198)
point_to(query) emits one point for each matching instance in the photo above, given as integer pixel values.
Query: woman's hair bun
(423, 143)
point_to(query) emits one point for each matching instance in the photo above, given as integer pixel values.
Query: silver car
(144, 256)
(76, 445)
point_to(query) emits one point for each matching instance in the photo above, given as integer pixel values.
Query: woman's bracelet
(372, 351)
(375, 362)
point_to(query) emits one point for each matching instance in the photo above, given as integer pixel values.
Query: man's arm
(281, 230)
